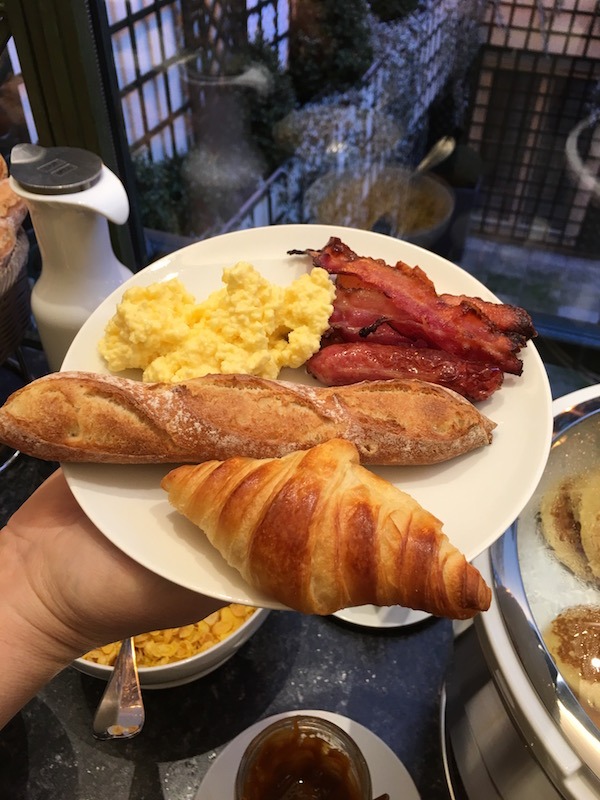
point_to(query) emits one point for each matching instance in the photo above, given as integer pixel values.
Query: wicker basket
(15, 299)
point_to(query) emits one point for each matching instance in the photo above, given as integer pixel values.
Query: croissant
(318, 532)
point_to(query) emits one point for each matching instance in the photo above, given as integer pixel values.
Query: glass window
(238, 114)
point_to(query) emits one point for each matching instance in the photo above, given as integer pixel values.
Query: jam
(292, 761)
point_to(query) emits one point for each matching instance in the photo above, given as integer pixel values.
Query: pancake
(587, 514)
(573, 640)
(560, 524)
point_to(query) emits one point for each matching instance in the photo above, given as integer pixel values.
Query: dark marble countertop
(390, 681)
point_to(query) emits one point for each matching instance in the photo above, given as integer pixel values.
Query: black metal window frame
(69, 74)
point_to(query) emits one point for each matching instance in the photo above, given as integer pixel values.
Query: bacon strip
(340, 364)
(359, 314)
(459, 328)
(507, 318)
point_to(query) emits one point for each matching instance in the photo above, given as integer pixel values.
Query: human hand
(65, 588)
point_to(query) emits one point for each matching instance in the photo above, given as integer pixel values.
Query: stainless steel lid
(54, 170)
(532, 586)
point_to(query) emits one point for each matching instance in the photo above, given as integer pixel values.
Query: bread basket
(15, 309)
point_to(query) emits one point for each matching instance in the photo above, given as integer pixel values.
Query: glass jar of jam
(303, 757)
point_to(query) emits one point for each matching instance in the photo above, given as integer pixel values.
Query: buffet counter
(388, 680)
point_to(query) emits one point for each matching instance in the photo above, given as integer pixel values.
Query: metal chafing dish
(512, 727)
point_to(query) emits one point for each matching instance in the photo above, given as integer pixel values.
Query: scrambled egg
(249, 326)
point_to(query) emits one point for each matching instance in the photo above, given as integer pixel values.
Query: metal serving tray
(531, 586)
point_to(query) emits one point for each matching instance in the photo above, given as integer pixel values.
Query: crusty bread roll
(573, 641)
(79, 416)
(318, 532)
(12, 207)
(8, 242)
(570, 522)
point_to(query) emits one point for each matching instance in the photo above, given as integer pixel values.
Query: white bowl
(187, 670)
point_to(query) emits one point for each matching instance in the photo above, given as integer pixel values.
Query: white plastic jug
(70, 195)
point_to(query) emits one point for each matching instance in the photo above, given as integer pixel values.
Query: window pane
(266, 112)
(16, 120)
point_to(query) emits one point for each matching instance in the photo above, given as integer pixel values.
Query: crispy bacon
(507, 318)
(345, 363)
(460, 328)
(349, 281)
(363, 313)
(378, 331)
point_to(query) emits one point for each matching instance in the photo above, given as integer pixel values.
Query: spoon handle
(120, 713)
(438, 153)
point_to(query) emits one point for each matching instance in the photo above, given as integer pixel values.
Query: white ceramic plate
(477, 496)
(381, 616)
(388, 773)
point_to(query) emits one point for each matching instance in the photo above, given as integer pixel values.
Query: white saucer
(381, 616)
(388, 773)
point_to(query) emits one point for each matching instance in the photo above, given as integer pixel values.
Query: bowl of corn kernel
(175, 656)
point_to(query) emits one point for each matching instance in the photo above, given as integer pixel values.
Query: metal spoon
(440, 151)
(120, 713)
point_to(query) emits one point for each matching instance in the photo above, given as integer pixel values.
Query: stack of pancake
(570, 523)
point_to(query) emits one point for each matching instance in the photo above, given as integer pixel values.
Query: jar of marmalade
(303, 757)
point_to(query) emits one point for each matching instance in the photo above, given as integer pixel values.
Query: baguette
(318, 532)
(80, 416)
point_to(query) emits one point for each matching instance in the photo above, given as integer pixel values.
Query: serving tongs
(120, 713)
